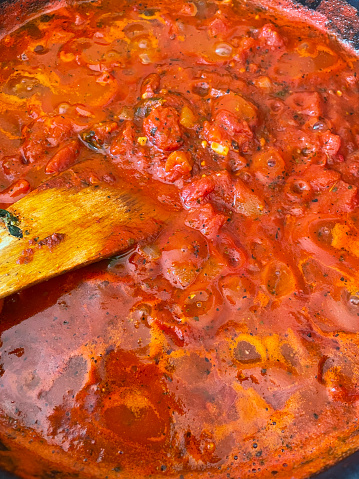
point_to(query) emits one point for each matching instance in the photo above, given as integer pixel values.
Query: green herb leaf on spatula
(11, 223)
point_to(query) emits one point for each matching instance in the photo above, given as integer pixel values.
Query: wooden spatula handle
(75, 219)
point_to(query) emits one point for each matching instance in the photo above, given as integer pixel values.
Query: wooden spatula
(81, 216)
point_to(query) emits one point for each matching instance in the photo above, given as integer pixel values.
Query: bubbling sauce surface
(228, 345)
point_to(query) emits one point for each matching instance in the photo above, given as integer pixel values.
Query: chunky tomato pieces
(163, 129)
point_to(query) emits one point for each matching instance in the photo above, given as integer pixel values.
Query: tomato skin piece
(124, 141)
(240, 108)
(178, 165)
(150, 85)
(162, 128)
(15, 191)
(187, 117)
(320, 178)
(11, 166)
(217, 28)
(349, 169)
(206, 220)
(64, 158)
(270, 36)
(331, 143)
(341, 198)
(235, 195)
(46, 132)
(196, 192)
(180, 274)
(226, 127)
(181, 160)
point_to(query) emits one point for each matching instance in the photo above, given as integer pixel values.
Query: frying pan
(339, 17)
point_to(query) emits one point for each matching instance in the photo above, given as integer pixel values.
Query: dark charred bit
(11, 223)
(312, 4)
(3, 447)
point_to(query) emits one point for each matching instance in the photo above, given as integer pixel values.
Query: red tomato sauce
(226, 346)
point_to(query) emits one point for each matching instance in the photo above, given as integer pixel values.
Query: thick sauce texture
(228, 345)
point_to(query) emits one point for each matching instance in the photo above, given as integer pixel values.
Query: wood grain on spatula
(81, 216)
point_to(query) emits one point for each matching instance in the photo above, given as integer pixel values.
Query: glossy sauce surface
(227, 346)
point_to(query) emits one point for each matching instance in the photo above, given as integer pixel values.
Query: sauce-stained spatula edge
(81, 216)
